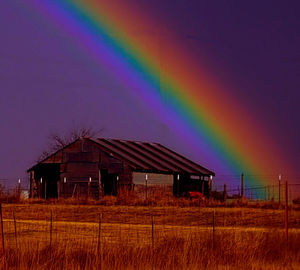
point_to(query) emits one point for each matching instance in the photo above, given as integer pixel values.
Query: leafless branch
(57, 141)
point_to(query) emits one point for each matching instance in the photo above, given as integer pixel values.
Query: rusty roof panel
(154, 151)
(184, 161)
(111, 149)
(152, 157)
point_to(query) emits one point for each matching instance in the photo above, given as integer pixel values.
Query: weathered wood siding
(82, 161)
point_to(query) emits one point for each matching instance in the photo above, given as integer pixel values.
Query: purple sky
(48, 84)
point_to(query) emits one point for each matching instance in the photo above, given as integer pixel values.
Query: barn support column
(33, 186)
(58, 189)
(99, 183)
(209, 185)
(225, 193)
(176, 184)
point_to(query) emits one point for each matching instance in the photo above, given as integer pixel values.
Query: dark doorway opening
(46, 177)
(183, 183)
(109, 182)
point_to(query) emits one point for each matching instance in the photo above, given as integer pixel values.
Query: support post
(58, 189)
(152, 223)
(99, 233)
(15, 225)
(45, 189)
(242, 185)
(34, 186)
(178, 179)
(19, 188)
(65, 186)
(50, 228)
(89, 187)
(214, 220)
(2, 238)
(40, 188)
(210, 185)
(265, 193)
(152, 226)
(286, 211)
(146, 187)
(99, 247)
(279, 187)
(31, 186)
(99, 185)
(213, 227)
(2, 234)
(225, 193)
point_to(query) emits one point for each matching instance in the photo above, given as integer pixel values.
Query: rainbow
(159, 71)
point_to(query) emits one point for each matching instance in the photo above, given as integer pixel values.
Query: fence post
(214, 220)
(242, 185)
(225, 193)
(50, 228)
(99, 232)
(2, 238)
(146, 187)
(152, 222)
(19, 189)
(2, 234)
(286, 211)
(279, 179)
(15, 225)
(152, 231)
(213, 227)
(99, 241)
(265, 193)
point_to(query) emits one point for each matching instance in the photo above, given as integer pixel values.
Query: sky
(50, 84)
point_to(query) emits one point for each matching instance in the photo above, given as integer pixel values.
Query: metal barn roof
(150, 157)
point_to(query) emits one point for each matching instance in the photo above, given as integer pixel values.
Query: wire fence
(49, 235)
(48, 225)
(235, 189)
(264, 193)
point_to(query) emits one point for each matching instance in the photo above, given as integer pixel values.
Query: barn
(96, 167)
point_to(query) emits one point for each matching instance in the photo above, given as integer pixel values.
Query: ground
(141, 237)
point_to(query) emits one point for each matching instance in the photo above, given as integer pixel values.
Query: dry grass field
(147, 237)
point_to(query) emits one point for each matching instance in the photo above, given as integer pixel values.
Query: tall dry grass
(227, 250)
(168, 215)
(245, 238)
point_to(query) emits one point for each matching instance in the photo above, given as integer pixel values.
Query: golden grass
(228, 250)
(168, 215)
(183, 238)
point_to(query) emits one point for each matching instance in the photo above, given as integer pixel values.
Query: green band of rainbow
(162, 73)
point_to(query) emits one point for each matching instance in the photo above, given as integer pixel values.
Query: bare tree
(57, 141)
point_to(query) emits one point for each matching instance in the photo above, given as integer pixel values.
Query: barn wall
(153, 179)
(156, 185)
(82, 161)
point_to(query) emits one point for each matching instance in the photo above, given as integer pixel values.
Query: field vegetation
(57, 235)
